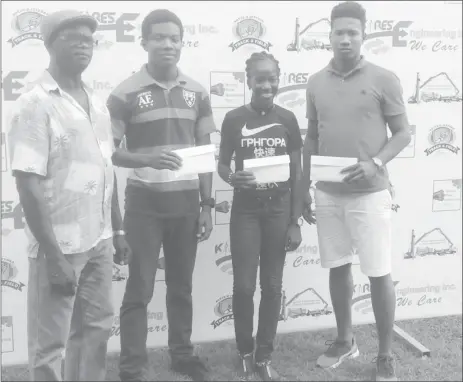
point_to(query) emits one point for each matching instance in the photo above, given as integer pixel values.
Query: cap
(57, 20)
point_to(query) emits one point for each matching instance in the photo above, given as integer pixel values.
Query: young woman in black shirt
(264, 217)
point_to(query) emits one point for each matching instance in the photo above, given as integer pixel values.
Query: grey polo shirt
(349, 113)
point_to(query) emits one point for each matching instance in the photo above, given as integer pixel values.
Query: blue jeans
(258, 227)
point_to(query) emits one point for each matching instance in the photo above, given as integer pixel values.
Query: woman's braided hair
(260, 57)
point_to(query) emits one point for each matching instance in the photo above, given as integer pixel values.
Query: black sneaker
(385, 368)
(266, 371)
(245, 366)
(191, 367)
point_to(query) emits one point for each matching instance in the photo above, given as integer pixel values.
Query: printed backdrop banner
(420, 41)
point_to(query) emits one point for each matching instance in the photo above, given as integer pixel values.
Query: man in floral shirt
(61, 157)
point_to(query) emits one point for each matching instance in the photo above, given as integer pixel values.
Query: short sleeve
(120, 113)
(311, 111)
(29, 136)
(294, 134)
(392, 102)
(227, 141)
(205, 123)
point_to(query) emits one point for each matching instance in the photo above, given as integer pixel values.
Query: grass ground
(296, 354)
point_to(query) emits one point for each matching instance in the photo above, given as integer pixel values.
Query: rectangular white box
(328, 169)
(197, 160)
(269, 169)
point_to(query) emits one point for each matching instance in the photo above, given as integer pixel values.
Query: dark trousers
(258, 229)
(145, 234)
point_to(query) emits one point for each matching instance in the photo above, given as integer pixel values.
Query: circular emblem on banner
(27, 21)
(249, 27)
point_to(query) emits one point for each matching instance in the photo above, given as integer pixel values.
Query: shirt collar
(146, 79)
(50, 85)
(361, 64)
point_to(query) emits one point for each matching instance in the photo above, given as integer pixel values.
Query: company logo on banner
(12, 210)
(157, 323)
(12, 83)
(26, 24)
(383, 35)
(434, 242)
(224, 200)
(446, 195)
(292, 93)
(438, 88)
(7, 334)
(227, 89)
(307, 256)
(119, 27)
(224, 311)
(224, 263)
(9, 275)
(427, 294)
(362, 302)
(314, 36)
(249, 30)
(307, 303)
(442, 137)
(197, 31)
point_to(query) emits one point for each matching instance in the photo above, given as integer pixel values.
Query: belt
(262, 198)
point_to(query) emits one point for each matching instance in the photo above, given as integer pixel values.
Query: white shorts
(355, 224)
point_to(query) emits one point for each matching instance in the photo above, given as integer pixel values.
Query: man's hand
(243, 179)
(123, 255)
(165, 160)
(307, 213)
(293, 237)
(204, 225)
(360, 170)
(61, 275)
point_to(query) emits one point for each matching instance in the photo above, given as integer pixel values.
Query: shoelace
(332, 343)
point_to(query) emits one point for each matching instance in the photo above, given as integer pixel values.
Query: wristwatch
(118, 233)
(229, 180)
(210, 202)
(378, 162)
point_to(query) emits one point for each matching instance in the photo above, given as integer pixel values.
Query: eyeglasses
(78, 39)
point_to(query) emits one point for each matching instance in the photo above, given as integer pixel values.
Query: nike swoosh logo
(247, 133)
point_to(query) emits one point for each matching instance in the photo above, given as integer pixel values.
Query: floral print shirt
(52, 136)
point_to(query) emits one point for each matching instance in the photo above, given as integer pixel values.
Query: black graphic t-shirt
(249, 135)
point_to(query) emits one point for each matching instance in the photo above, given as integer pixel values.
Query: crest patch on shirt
(189, 97)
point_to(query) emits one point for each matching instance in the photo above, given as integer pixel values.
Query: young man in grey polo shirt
(350, 103)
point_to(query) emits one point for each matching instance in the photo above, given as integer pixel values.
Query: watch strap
(378, 162)
(208, 202)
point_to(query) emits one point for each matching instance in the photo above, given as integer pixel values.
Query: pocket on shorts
(384, 200)
(323, 199)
